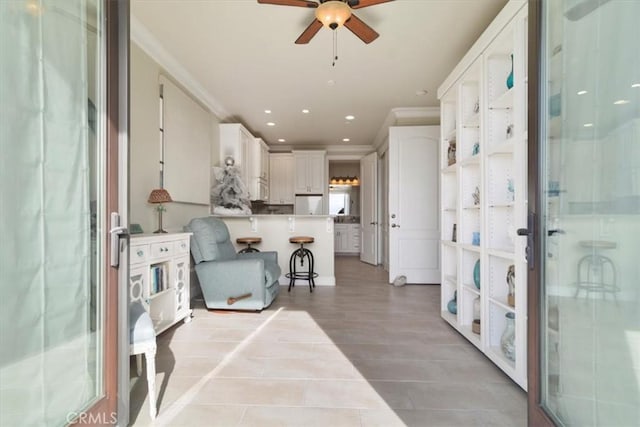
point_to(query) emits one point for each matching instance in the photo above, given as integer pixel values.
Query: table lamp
(159, 196)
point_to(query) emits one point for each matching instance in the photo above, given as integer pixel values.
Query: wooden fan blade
(298, 3)
(311, 31)
(360, 29)
(359, 4)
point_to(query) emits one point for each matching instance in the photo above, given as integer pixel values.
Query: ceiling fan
(333, 14)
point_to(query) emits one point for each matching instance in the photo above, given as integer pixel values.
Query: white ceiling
(242, 56)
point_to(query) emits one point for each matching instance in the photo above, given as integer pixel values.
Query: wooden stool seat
(301, 239)
(248, 241)
(598, 244)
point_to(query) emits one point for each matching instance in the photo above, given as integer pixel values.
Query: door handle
(554, 232)
(117, 233)
(394, 225)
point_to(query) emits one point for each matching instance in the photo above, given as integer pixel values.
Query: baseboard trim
(320, 281)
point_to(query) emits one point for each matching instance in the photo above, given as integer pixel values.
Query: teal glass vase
(510, 76)
(476, 274)
(452, 305)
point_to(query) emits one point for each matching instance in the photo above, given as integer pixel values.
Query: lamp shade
(333, 13)
(159, 195)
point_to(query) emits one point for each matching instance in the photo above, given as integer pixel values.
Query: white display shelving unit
(487, 120)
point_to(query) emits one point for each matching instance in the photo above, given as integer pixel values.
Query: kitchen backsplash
(265, 209)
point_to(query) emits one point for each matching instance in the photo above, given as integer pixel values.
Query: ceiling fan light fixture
(333, 13)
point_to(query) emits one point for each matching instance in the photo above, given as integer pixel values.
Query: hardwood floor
(362, 353)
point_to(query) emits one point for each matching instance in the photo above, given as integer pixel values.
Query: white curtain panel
(47, 348)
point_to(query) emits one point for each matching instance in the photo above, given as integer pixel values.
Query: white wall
(145, 148)
(344, 168)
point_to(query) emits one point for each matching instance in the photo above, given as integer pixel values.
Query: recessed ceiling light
(267, 111)
(331, 82)
(635, 85)
(349, 117)
(281, 140)
(270, 124)
(582, 92)
(621, 102)
(345, 140)
(305, 111)
(421, 92)
(588, 125)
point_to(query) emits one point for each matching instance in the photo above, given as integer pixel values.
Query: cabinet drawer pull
(140, 253)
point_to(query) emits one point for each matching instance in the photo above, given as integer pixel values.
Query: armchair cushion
(211, 240)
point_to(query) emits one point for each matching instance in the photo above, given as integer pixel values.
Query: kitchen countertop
(274, 215)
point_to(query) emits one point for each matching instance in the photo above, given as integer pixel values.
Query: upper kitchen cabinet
(309, 172)
(258, 184)
(251, 156)
(235, 141)
(281, 179)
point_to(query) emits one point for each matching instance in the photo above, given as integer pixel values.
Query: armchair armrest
(271, 256)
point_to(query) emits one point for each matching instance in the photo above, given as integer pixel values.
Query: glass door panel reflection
(52, 170)
(591, 200)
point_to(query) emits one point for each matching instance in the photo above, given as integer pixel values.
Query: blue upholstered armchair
(247, 281)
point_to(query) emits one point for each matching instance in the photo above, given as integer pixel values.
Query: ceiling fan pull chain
(335, 48)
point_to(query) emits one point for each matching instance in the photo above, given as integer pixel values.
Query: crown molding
(406, 116)
(152, 47)
(503, 18)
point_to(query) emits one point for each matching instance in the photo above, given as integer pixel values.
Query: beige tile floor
(361, 354)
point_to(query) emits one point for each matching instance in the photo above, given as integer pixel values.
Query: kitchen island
(275, 231)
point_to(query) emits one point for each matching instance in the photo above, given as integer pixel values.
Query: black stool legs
(300, 255)
(248, 249)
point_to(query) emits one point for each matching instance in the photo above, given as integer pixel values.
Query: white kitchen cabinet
(258, 184)
(281, 179)
(483, 190)
(309, 172)
(159, 277)
(346, 238)
(236, 141)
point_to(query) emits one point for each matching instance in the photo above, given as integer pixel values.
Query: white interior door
(413, 204)
(369, 208)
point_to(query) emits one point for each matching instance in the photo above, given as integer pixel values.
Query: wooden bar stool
(299, 256)
(248, 241)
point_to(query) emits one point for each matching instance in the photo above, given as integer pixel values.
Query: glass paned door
(590, 181)
(52, 211)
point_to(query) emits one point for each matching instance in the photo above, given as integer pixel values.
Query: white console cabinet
(159, 277)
